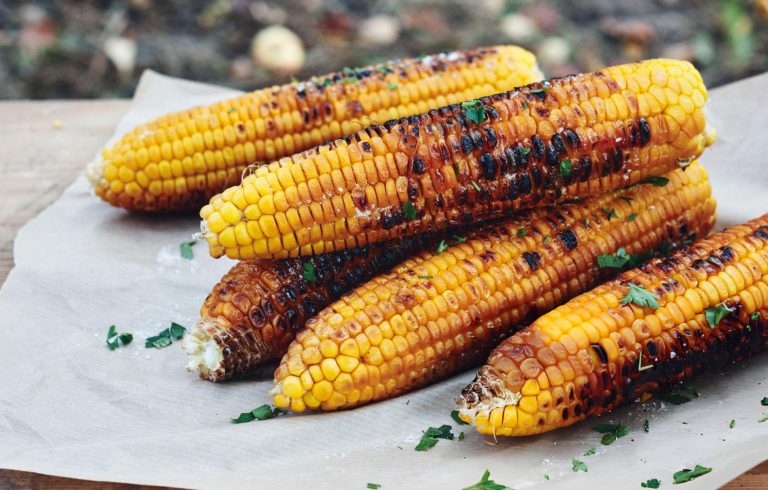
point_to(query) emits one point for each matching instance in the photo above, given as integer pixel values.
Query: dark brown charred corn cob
(178, 161)
(254, 312)
(439, 313)
(571, 137)
(594, 353)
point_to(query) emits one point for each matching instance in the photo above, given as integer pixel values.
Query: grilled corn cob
(596, 352)
(254, 312)
(570, 137)
(439, 313)
(178, 161)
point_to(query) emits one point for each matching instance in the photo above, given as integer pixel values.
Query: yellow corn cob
(439, 313)
(593, 353)
(178, 161)
(570, 137)
(254, 312)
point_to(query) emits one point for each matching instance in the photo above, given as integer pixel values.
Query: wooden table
(44, 147)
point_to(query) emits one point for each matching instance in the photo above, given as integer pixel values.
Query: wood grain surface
(45, 145)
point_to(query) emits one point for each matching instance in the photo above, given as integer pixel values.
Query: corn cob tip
(483, 394)
(94, 171)
(207, 355)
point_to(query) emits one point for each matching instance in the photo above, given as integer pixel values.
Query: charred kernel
(573, 138)
(418, 165)
(645, 131)
(585, 168)
(490, 137)
(522, 156)
(558, 144)
(525, 184)
(489, 166)
(533, 259)
(538, 147)
(600, 352)
(466, 143)
(569, 239)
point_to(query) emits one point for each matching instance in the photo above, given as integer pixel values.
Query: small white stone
(121, 51)
(379, 30)
(518, 27)
(554, 50)
(278, 48)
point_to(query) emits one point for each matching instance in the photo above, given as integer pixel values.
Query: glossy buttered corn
(443, 311)
(602, 349)
(178, 161)
(254, 312)
(570, 137)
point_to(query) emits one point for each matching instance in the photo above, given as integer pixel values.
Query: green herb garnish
(686, 475)
(764, 401)
(611, 432)
(590, 452)
(373, 486)
(542, 92)
(639, 296)
(115, 340)
(456, 418)
(679, 394)
(477, 187)
(186, 249)
(586, 223)
(640, 366)
(754, 317)
(762, 419)
(409, 210)
(609, 213)
(474, 110)
(391, 86)
(546, 476)
(459, 239)
(309, 272)
(521, 232)
(442, 246)
(461, 436)
(615, 261)
(263, 412)
(566, 167)
(424, 277)
(716, 313)
(547, 239)
(486, 483)
(647, 425)
(165, 337)
(653, 180)
(732, 424)
(652, 483)
(432, 435)
(631, 217)
(524, 150)
(578, 466)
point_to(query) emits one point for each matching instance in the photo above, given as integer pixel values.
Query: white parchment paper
(71, 407)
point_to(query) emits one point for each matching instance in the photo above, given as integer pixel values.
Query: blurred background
(77, 49)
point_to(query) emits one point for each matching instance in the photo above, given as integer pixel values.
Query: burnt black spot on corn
(398, 331)
(646, 349)
(302, 205)
(178, 161)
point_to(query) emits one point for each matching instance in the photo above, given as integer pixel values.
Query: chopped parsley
(442, 246)
(459, 239)
(615, 261)
(309, 272)
(680, 393)
(547, 239)
(474, 110)
(732, 424)
(611, 432)
(754, 317)
(486, 483)
(631, 217)
(762, 419)
(424, 277)
(586, 223)
(263, 412)
(647, 425)
(578, 466)
(373, 486)
(461, 436)
(716, 313)
(566, 167)
(115, 340)
(546, 476)
(186, 249)
(541, 92)
(432, 435)
(639, 296)
(391, 86)
(590, 452)
(653, 180)
(477, 187)
(764, 401)
(231, 110)
(166, 337)
(409, 210)
(521, 232)
(609, 213)
(524, 151)
(640, 366)
(687, 475)
(652, 483)
(456, 418)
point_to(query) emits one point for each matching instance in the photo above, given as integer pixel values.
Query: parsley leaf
(521, 232)
(590, 452)
(391, 86)
(566, 167)
(611, 432)
(165, 337)
(263, 412)
(647, 425)
(409, 210)
(309, 272)
(486, 483)
(477, 187)
(640, 366)
(764, 401)
(186, 249)
(762, 419)
(546, 476)
(547, 239)
(442, 246)
(686, 475)
(680, 393)
(652, 483)
(578, 466)
(615, 261)
(524, 150)
(754, 317)
(655, 181)
(631, 217)
(716, 313)
(732, 424)
(455, 417)
(115, 340)
(424, 277)
(432, 435)
(459, 239)
(639, 296)
(461, 436)
(609, 213)
(474, 110)
(373, 486)
(586, 223)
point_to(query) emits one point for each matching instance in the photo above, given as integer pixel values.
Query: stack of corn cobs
(471, 227)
